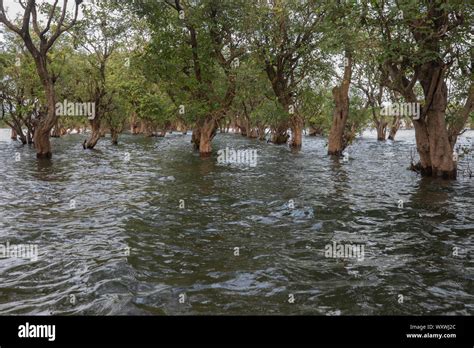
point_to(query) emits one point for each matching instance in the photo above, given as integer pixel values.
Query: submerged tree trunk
(56, 132)
(114, 135)
(243, 124)
(279, 138)
(103, 132)
(148, 129)
(252, 133)
(432, 139)
(24, 139)
(42, 143)
(336, 141)
(381, 127)
(17, 133)
(297, 124)
(280, 134)
(314, 130)
(261, 132)
(394, 128)
(29, 136)
(134, 127)
(208, 131)
(43, 128)
(95, 135)
(243, 130)
(196, 137)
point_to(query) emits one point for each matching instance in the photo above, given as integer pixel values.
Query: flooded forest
(176, 157)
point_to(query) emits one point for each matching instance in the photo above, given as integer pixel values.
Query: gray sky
(14, 9)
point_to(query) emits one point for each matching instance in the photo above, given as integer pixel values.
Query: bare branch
(60, 29)
(50, 17)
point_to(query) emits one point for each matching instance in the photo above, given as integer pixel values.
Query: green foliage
(164, 66)
(316, 105)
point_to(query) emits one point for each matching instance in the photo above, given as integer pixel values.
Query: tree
(343, 23)
(286, 39)
(193, 54)
(100, 34)
(316, 105)
(19, 86)
(253, 91)
(423, 41)
(336, 141)
(368, 80)
(397, 120)
(39, 47)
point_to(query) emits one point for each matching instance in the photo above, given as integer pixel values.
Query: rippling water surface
(87, 209)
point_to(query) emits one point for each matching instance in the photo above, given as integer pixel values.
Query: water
(87, 209)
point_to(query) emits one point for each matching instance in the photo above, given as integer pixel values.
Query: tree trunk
(381, 127)
(56, 132)
(279, 138)
(17, 133)
(297, 124)
(21, 135)
(394, 128)
(27, 138)
(313, 131)
(114, 134)
(134, 124)
(242, 124)
(149, 129)
(252, 133)
(23, 139)
(336, 142)
(442, 163)
(280, 134)
(142, 129)
(14, 135)
(261, 132)
(95, 135)
(208, 131)
(44, 126)
(434, 148)
(196, 137)
(42, 143)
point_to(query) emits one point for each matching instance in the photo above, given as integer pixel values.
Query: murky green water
(129, 197)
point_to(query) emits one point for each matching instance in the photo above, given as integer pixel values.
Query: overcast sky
(14, 9)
